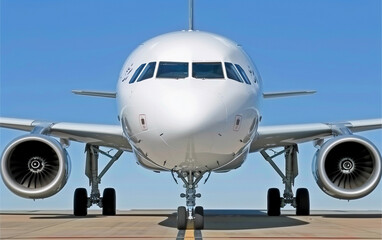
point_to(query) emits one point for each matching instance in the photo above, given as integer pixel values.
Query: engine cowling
(35, 166)
(347, 167)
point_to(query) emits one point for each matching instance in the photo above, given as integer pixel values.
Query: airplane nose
(177, 109)
(190, 121)
(184, 119)
(187, 113)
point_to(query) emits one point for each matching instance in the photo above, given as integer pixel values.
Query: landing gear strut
(190, 180)
(274, 201)
(81, 200)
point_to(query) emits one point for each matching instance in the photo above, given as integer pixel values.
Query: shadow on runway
(214, 219)
(239, 220)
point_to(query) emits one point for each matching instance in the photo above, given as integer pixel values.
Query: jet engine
(347, 167)
(35, 166)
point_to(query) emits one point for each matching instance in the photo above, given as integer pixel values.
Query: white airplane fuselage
(189, 123)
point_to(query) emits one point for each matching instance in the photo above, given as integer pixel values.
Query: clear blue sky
(49, 48)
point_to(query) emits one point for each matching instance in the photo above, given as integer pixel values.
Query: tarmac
(219, 224)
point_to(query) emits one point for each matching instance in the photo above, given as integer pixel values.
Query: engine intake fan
(347, 167)
(35, 166)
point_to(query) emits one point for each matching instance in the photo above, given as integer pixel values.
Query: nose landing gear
(190, 180)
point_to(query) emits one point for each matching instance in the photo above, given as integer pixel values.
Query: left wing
(285, 135)
(95, 134)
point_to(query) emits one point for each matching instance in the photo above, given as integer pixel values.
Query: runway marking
(189, 234)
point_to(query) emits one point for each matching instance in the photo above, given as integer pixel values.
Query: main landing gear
(274, 201)
(196, 214)
(107, 202)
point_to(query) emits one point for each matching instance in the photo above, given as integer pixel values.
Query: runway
(219, 224)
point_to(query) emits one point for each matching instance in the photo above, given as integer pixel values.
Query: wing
(284, 135)
(96, 134)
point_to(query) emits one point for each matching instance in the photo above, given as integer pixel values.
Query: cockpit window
(137, 72)
(232, 72)
(172, 70)
(207, 70)
(243, 75)
(148, 72)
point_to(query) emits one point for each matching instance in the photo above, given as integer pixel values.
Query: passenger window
(137, 72)
(207, 70)
(232, 72)
(172, 70)
(148, 72)
(243, 75)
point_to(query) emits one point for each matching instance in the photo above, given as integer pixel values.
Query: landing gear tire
(199, 218)
(182, 218)
(80, 203)
(273, 202)
(109, 202)
(302, 202)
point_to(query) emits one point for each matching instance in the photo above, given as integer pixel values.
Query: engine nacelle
(35, 166)
(347, 167)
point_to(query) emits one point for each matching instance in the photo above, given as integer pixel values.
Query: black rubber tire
(109, 202)
(302, 202)
(80, 202)
(199, 218)
(273, 202)
(182, 218)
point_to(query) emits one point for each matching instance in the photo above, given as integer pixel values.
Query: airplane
(189, 103)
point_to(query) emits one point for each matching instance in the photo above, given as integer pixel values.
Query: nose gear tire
(182, 218)
(199, 218)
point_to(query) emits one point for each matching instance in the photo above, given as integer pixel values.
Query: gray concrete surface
(219, 224)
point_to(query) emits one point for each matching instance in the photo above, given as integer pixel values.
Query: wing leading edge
(285, 135)
(96, 134)
(268, 136)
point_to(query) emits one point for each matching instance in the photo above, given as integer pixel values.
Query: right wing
(95, 134)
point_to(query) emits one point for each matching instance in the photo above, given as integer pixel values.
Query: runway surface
(219, 224)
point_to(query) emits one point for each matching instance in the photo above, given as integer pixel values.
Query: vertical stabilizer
(191, 15)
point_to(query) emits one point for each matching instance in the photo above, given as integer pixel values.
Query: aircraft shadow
(217, 219)
(239, 220)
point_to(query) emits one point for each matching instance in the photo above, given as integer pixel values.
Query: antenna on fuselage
(190, 15)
